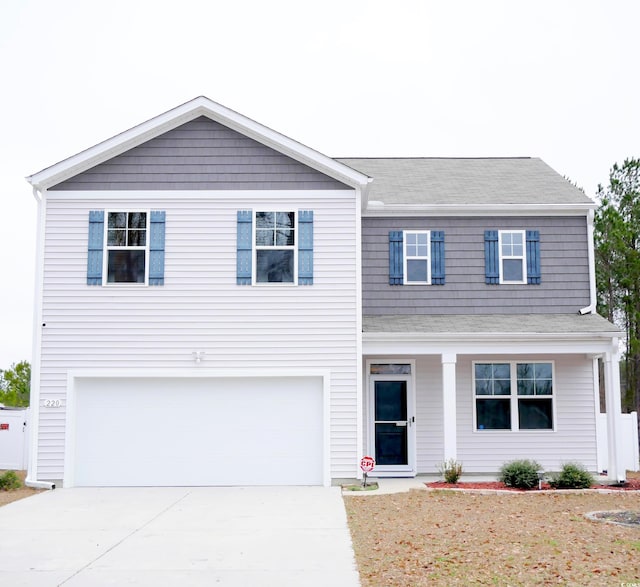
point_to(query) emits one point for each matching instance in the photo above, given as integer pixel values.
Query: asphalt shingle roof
(489, 324)
(435, 181)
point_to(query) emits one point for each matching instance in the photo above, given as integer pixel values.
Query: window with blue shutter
(134, 247)
(156, 247)
(491, 257)
(437, 257)
(244, 247)
(96, 247)
(533, 257)
(395, 257)
(512, 257)
(305, 247)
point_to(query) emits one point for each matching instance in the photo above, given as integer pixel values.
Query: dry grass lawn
(450, 538)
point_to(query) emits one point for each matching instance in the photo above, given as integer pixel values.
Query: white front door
(392, 425)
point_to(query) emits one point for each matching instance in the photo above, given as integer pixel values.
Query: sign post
(366, 464)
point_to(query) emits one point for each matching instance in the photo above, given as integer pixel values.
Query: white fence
(629, 423)
(14, 438)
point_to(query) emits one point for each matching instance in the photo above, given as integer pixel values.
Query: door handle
(403, 424)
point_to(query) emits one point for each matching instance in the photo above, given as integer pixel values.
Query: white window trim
(254, 249)
(405, 257)
(523, 257)
(515, 428)
(107, 248)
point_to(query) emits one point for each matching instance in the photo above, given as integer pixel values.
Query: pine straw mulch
(446, 538)
(16, 494)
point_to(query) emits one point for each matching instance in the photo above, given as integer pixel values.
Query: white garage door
(225, 431)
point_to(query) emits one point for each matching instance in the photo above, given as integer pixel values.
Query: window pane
(137, 220)
(483, 387)
(501, 370)
(137, 238)
(390, 369)
(264, 238)
(117, 238)
(391, 400)
(416, 271)
(526, 387)
(483, 370)
(285, 238)
(535, 414)
(502, 387)
(274, 266)
(512, 270)
(525, 370)
(543, 370)
(117, 219)
(493, 414)
(544, 387)
(265, 220)
(285, 219)
(125, 266)
(391, 445)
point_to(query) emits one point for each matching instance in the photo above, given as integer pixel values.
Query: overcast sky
(552, 79)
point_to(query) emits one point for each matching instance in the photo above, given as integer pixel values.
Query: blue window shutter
(156, 247)
(491, 257)
(305, 247)
(437, 257)
(533, 257)
(244, 247)
(96, 246)
(395, 257)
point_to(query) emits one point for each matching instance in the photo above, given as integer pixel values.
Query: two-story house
(218, 304)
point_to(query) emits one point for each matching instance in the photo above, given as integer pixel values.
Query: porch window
(513, 396)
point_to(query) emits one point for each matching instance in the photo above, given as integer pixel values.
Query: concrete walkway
(285, 536)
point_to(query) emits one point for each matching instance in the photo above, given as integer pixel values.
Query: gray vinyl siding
(200, 308)
(574, 436)
(564, 286)
(201, 155)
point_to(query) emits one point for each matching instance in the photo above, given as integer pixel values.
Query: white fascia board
(200, 106)
(376, 209)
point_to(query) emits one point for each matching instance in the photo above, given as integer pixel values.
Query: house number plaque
(52, 403)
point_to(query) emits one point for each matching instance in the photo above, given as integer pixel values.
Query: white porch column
(449, 405)
(615, 470)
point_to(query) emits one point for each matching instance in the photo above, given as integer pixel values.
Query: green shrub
(522, 474)
(572, 476)
(9, 480)
(450, 470)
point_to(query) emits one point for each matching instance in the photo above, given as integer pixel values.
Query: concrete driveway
(165, 536)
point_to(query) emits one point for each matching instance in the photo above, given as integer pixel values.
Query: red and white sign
(4, 426)
(367, 464)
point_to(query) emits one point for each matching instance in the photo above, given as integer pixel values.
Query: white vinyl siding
(573, 437)
(200, 307)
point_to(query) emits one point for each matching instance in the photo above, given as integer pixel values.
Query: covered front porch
(484, 390)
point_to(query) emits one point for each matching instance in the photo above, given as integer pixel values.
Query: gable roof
(200, 106)
(462, 183)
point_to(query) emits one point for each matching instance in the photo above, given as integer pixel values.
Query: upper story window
(416, 257)
(275, 247)
(513, 396)
(512, 256)
(417, 269)
(126, 247)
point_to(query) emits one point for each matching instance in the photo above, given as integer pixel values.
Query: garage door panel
(244, 431)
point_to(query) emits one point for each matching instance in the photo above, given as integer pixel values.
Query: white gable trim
(195, 108)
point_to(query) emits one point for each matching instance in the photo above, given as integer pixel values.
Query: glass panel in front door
(391, 426)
